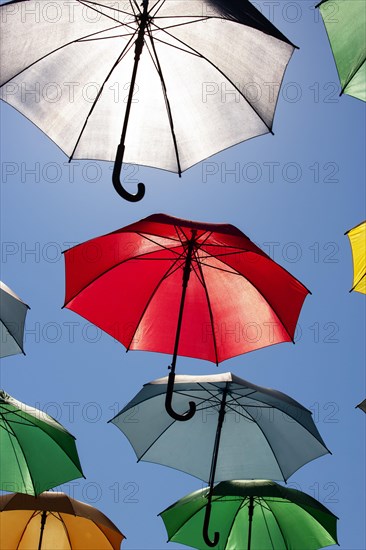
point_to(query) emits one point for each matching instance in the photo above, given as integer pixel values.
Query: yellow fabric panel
(54, 535)
(357, 237)
(11, 527)
(85, 534)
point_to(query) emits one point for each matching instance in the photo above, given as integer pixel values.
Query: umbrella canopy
(345, 22)
(54, 520)
(256, 514)
(234, 298)
(357, 237)
(12, 318)
(362, 406)
(201, 75)
(37, 452)
(239, 431)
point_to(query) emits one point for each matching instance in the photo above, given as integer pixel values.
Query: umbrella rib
(91, 5)
(241, 505)
(56, 442)
(165, 93)
(33, 515)
(266, 299)
(125, 50)
(158, 8)
(221, 72)
(166, 274)
(105, 272)
(269, 444)
(54, 51)
(209, 309)
(277, 522)
(65, 528)
(259, 503)
(353, 74)
(112, 8)
(155, 440)
(358, 282)
(184, 24)
(25, 458)
(13, 337)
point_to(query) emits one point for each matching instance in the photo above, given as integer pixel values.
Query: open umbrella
(357, 237)
(185, 288)
(12, 318)
(240, 431)
(345, 22)
(54, 521)
(37, 453)
(202, 75)
(362, 406)
(256, 514)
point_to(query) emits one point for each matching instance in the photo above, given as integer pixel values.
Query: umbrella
(112, 75)
(362, 406)
(54, 520)
(345, 22)
(256, 514)
(357, 237)
(240, 431)
(37, 452)
(174, 286)
(12, 318)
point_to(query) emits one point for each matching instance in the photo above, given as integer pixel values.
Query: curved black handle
(117, 168)
(206, 522)
(168, 402)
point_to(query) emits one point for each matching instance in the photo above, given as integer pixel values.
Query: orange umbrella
(54, 520)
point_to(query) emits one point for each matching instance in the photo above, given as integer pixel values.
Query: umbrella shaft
(250, 512)
(139, 44)
(217, 441)
(186, 274)
(43, 523)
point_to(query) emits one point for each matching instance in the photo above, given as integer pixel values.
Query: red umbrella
(174, 286)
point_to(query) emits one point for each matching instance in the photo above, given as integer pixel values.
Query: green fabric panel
(357, 86)
(345, 22)
(40, 454)
(302, 530)
(265, 531)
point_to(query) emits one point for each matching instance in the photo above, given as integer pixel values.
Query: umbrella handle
(206, 522)
(117, 168)
(168, 402)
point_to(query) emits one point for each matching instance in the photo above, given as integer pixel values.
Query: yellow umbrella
(54, 521)
(357, 237)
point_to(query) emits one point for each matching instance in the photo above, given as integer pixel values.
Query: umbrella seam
(220, 71)
(155, 290)
(15, 453)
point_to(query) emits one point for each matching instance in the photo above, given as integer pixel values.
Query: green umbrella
(257, 515)
(345, 22)
(37, 453)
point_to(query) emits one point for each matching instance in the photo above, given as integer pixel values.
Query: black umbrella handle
(206, 523)
(168, 402)
(116, 179)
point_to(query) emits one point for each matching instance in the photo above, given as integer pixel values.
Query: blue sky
(294, 194)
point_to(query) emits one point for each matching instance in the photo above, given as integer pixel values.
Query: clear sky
(294, 194)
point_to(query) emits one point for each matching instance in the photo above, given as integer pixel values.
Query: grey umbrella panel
(13, 312)
(264, 434)
(208, 77)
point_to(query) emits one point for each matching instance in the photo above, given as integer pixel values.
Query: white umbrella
(12, 318)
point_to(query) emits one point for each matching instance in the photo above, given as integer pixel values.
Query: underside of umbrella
(97, 75)
(357, 238)
(37, 453)
(256, 514)
(54, 521)
(345, 22)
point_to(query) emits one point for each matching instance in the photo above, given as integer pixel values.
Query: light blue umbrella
(240, 430)
(12, 318)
